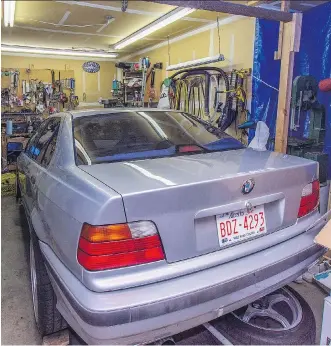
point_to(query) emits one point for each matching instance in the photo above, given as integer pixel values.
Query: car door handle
(33, 180)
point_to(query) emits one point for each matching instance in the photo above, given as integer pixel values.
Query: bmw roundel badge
(247, 186)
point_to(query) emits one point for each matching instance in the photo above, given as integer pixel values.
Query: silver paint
(181, 195)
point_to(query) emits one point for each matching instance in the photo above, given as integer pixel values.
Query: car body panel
(153, 311)
(66, 198)
(182, 195)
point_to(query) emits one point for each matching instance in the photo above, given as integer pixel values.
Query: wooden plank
(327, 256)
(285, 6)
(296, 38)
(58, 338)
(230, 8)
(290, 44)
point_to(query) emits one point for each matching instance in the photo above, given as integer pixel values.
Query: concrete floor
(17, 319)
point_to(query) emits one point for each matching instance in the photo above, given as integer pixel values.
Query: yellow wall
(236, 44)
(42, 75)
(107, 73)
(241, 32)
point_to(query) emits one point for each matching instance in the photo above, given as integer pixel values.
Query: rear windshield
(138, 134)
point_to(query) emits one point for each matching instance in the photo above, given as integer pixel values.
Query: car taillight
(120, 245)
(189, 149)
(309, 198)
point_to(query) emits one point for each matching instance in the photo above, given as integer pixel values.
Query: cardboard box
(326, 325)
(324, 237)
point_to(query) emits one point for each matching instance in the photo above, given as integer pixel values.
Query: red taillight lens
(310, 198)
(189, 149)
(121, 245)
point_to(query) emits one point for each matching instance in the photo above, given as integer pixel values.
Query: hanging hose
(197, 84)
(181, 96)
(195, 90)
(203, 90)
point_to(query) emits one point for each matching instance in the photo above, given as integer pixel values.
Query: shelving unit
(134, 86)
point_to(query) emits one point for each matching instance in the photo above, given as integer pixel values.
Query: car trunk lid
(183, 195)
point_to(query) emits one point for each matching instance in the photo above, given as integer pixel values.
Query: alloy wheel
(277, 311)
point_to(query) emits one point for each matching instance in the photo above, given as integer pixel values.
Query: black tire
(48, 318)
(18, 193)
(241, 333)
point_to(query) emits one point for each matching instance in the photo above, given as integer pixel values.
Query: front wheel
(18, 193)
(48, 318)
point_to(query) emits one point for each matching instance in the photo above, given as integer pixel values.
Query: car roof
(97, 111)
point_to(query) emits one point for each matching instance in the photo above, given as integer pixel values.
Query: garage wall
(236, 44)
(94, 85)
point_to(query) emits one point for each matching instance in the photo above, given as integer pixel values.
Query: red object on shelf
(325, 84)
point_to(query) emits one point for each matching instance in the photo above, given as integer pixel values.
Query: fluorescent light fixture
(161, 22)
(33, 50)
(197, 62)
(9, 12)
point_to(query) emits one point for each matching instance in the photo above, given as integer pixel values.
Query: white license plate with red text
(240, 225)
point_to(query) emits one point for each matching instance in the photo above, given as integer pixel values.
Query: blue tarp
(313, 59)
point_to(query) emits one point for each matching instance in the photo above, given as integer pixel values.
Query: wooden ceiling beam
(230, 8)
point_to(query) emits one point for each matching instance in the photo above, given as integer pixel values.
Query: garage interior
(260, 71)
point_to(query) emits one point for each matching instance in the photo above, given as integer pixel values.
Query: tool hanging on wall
(237, 97)
(14, 80)
(53, 78)
(23, 87)
(37, 95)
(59, 81)
(152, 91)
(124, 5)
(194, 94)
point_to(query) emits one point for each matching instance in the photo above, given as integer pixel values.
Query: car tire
(18, 193)
(48, 318)
(240, 333)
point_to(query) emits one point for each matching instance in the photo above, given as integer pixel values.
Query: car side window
(46, 137)
(46, 159)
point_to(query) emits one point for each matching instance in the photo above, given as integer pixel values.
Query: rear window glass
(144, 134)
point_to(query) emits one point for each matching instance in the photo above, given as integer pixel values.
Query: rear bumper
(154, 311)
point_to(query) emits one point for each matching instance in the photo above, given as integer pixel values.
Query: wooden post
(290, 45)
(285, 6)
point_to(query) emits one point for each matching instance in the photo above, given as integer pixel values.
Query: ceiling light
(163, 21)
(9, 12)
(24, 49)
(197, 62)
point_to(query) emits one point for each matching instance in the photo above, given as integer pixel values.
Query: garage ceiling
(81, 24)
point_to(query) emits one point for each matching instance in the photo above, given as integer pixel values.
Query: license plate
(240, 225)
